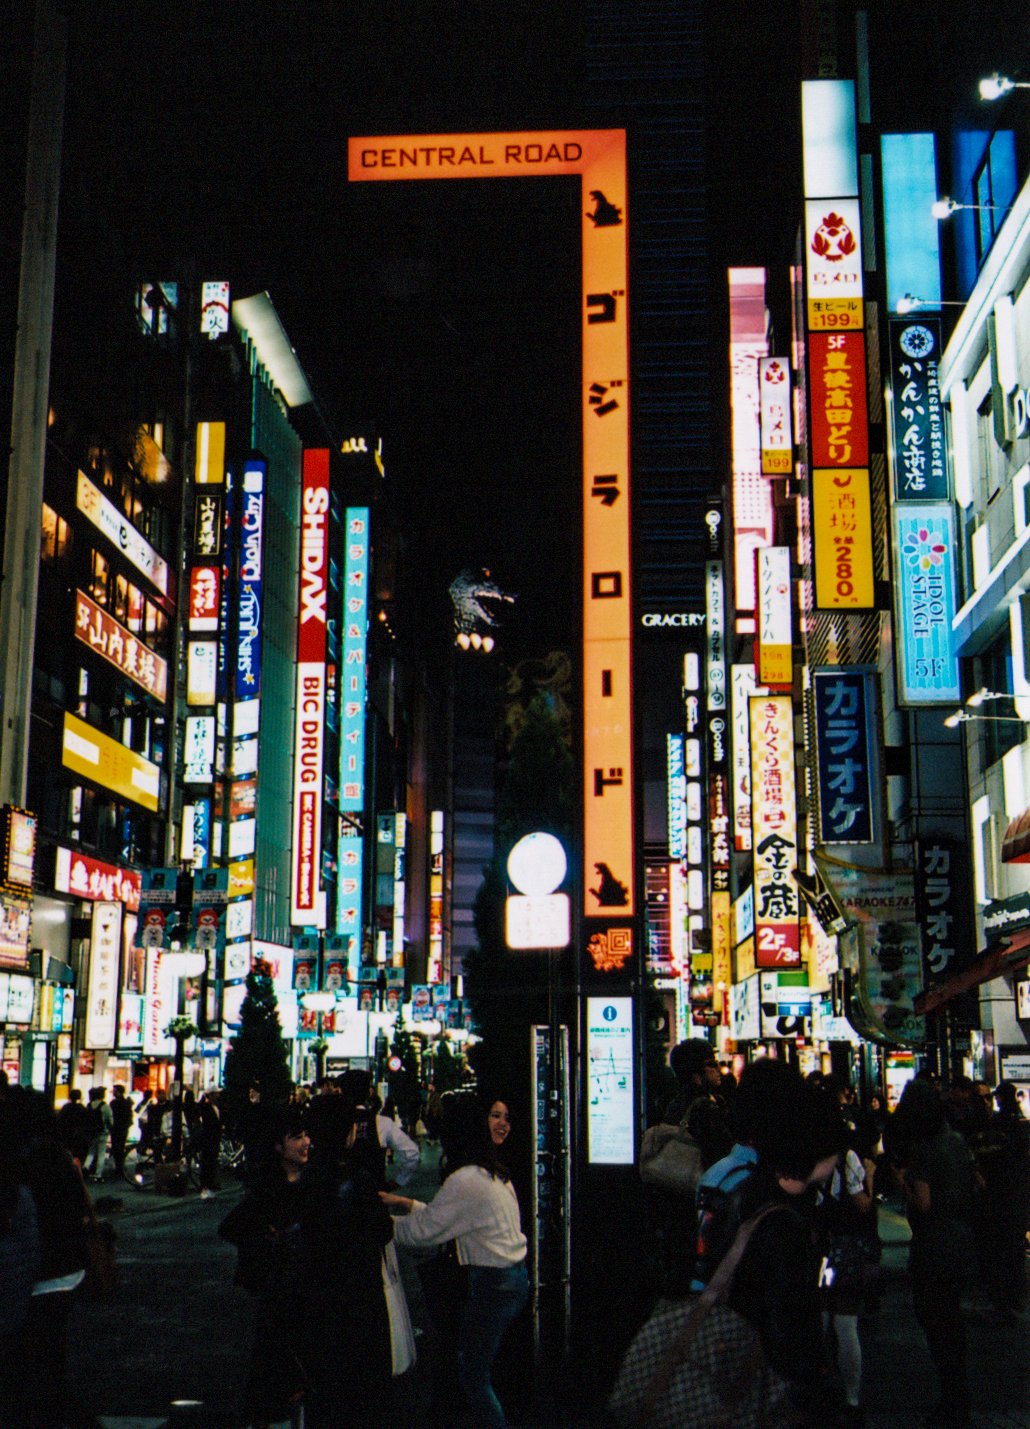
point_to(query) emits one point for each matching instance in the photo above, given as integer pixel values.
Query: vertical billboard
(842, 535)
(774, 405)
(307, 901)
(774, 643)
(844, 755)
(105, 948)
(355, 631)
(743, 686)
(611, 1138)
(777, 931)
(598, 158)
(918, 445)
(834, 264)
(924, 595)
(248, 630)
(838, 423)
(752, 493)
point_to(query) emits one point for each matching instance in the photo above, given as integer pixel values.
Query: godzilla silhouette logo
(468, 592)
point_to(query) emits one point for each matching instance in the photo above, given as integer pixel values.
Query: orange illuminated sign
(598, 158)
(842, 529)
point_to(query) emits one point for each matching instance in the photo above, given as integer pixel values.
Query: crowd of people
(956, 1159)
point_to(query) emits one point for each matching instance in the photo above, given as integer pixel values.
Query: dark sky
(216, 133)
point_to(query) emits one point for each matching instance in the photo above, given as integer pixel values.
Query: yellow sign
(842, 529)
(241, 878)
(209, 468)
(722, 951)
(744, 960)
(598, 158)
(104, 761)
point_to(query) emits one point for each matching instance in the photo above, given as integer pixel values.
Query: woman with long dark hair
(477, 1208)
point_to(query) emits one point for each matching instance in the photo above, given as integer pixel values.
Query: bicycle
(230, 1160)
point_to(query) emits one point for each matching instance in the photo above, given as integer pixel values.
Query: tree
(257, 1053)
(508, 991)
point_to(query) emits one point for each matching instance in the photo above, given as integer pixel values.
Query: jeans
(496, 1295)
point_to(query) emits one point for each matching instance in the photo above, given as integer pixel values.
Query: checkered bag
(696, 1362)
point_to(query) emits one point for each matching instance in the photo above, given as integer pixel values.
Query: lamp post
(319, 1003)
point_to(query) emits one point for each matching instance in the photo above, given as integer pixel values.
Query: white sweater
(479, 1212)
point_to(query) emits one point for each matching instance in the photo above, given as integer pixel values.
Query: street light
(996, 86)
(909, 302)
(943, 208)
(320, 1003)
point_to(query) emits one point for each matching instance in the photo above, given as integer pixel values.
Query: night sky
(215, 134)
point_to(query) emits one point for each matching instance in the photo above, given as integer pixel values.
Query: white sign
(745, 1010)
(716, 636)
(538, 920)
(162, 994)
(199, 749)
(611, 1139)
(104, 958)
(833, 248)
(107, 518)
(20, 998)
(201, 672)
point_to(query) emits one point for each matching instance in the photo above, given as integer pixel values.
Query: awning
(1015, 845)
(992, 964)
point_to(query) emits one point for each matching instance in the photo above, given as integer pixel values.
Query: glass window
(120, 610)
(99, 579)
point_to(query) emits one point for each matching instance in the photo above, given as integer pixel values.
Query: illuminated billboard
(742, 687)
(209, 468)
(829, 137)
(598, 159)
(95, 756)
(842, 533)
(833, 244)
(838, 413)
(109, 639)
(752, 493)
(105, 947)
(106, 517)
(924, 595)
(844, 755)
(918, 446)
(307, 899)
(774, 406)
(774, 644)
(777, 929)
(248, 630)
(353, 681)
(205, 597)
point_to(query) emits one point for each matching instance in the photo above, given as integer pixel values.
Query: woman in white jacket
(476, 1207)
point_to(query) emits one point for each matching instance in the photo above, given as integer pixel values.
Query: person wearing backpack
(765, 1358)
(761, 1102)
(671, 1163)
(100, 1122)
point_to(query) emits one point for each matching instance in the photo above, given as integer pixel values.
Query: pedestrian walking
(121, 1124)
(475, 1207)
(848, 1242)
(1004, 1165)
(74, 1127)
(100, 1124)
(208, 1135)
(266, 1229)
(937, 1175)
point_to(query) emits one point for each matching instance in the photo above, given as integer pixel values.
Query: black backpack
(96, 1119)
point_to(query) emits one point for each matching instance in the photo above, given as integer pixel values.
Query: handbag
(670, 1162)
(697, 1362)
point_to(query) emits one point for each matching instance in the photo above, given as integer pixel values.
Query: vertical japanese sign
(924, 594)
(839, 424)
(676, 793)
(715, 637)
(834, 264)
(778, 939)
(918, 446)
(355, 631)
(943, 906)
(843, 743)
(307, 898)
(774, 406)
(842, 527)
(598, 158)
(774, 644)
(752, 493)
(743, 686)
(105, 947)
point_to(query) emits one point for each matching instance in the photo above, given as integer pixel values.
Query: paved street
(178, 1330)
